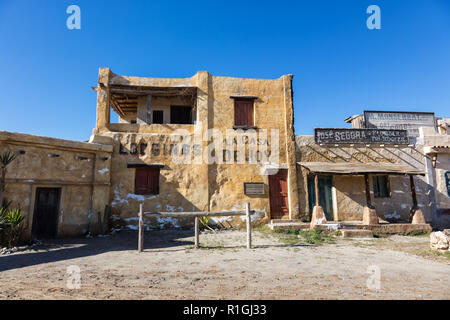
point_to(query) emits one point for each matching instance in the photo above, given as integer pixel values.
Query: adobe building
(61, 186)
(209, 143)
(203, 143)
(162, 154)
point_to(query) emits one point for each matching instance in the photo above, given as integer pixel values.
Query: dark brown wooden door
(278, 189)
(46, 209)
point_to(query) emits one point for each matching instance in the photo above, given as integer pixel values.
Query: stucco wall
(201, 186)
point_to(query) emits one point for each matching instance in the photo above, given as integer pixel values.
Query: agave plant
(10, 226)
(5, 159)
(205, 222)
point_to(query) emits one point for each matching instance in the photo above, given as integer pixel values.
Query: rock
(370, 216)
(418, 217)
(439, 241)
(318, 217)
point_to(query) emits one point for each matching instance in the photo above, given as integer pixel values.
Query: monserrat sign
(410, 121)
(366, 136)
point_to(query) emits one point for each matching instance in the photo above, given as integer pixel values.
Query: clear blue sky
(340, 67)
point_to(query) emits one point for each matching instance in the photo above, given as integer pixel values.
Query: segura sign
(409, 121)
(381, 136)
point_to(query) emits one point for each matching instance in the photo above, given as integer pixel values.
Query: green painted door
(325, 196)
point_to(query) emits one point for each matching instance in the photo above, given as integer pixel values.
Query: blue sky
(340, 67)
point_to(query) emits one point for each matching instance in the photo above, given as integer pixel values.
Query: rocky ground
(279, 267)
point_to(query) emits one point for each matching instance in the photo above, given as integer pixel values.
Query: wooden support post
(316, 185)
(413, 190)
(249, 225)
(141, 228)
(197, 231)
(366, 182)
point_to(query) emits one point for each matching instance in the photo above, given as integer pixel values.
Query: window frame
(250, 115)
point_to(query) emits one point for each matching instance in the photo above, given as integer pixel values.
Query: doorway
(278, 192)
(325, 195)
(46, 209)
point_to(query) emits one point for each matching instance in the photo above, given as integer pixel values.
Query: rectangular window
(147, 181)
(181, 114)
(381, 186)
(243, 113)
(158, 116)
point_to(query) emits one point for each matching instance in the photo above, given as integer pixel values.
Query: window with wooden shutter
(147, 181)
(243, 113)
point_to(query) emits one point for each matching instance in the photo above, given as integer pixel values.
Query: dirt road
(169, 268)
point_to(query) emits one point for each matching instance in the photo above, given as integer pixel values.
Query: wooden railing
(196, 215)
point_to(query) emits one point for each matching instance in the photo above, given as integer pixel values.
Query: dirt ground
(170, 268)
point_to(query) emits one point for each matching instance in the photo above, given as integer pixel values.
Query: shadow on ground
(66, 249)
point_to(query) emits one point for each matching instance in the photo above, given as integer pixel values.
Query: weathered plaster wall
(81, 170)
(350, 190)
(199, 186)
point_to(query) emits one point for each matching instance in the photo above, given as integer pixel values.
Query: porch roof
(360, 168)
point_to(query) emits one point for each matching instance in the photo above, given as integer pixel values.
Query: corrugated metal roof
(360, 168)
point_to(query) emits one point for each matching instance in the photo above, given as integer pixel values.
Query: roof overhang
(352, 168)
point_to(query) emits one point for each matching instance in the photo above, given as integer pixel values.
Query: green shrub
(11, 226)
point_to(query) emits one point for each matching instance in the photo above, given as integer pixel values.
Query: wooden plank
(141, 229)
(316, 188)
(360, 168)
(196, 214)
(367, 185)
(249, 226)
(197, 232)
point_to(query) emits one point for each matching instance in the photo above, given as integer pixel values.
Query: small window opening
(158, 116)
(181, 114)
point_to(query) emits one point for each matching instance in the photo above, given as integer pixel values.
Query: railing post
(141, 228)
(197, 231)
(249, 225)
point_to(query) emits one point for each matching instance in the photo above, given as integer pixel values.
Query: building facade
(209, 143)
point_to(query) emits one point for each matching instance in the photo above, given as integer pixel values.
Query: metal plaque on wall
(253, 187)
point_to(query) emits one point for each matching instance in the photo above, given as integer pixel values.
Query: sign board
(253, 187)
(394, 120)
(447, 182)
(366, 136)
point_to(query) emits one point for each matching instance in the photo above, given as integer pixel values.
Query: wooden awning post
(249, 225)
(366, 182)
(413, 190)
(141, 228)
(316, 186)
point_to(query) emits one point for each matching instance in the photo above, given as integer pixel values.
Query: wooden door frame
(33, 207)
(288, 200)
